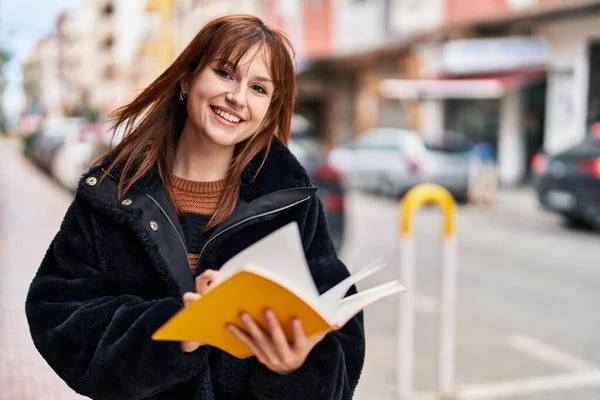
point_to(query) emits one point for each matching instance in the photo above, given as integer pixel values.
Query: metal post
(406, 320)
(447, 317)
(414, 199)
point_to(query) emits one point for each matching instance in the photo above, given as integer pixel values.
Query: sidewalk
(31, 209)
(512, 201)
(521, 197)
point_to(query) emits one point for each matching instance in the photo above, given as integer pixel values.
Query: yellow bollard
(412, 201)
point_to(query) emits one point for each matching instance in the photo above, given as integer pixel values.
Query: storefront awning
(488, 86)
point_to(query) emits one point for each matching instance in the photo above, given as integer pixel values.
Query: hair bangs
(232, 48)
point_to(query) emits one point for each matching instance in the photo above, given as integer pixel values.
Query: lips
(227, 115)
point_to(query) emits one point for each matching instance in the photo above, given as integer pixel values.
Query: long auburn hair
(153, 121)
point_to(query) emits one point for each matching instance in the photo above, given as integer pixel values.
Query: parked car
(449, 162)
(53, 134)
(74, 156)
(331, 190)
(390, 161)
(384, 160)
(569, 182)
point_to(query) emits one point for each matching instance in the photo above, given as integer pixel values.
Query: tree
(4, 58)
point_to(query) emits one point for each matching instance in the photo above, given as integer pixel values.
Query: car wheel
(461, 198)
(574, 222)
(386, 187)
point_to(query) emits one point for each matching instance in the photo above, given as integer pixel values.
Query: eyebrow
(233, 66)
(263, 79)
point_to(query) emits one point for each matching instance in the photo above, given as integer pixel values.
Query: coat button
(91, 181)
(153, 226)
(126, 202)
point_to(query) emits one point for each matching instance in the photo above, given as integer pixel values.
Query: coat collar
(281, 170)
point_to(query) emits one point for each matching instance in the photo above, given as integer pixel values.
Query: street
(528, 294)
(527, 320)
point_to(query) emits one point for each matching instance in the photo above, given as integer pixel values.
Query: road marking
(536, 349)
(531, 385)
(425, 304)
(522, 387)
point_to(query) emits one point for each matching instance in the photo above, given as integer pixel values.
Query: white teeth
(227, 116)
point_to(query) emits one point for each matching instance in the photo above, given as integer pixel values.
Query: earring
(182, 95)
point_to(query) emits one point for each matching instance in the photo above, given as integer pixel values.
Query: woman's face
(226, 105)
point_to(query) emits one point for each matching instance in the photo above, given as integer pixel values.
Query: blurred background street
(496, 101)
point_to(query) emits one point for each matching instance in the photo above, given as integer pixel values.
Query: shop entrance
(593, 114)
(534, 111)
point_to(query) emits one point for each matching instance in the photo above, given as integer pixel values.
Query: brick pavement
(24, 238)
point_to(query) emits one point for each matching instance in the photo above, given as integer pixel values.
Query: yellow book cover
(272, 273)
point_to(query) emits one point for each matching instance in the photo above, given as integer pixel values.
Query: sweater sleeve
(332, 369)
(96, 339)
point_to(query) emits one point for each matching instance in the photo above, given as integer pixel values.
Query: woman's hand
(202, 287)
(272, 348)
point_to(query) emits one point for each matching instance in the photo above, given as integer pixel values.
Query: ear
(185, 86)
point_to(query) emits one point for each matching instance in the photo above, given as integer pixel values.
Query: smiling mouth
(226, 116)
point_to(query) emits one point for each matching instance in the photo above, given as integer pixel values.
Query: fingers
(277, 334)
(270, 346)
(262, 341)
(204, 280)
(314, 340)
(190, 298)
(188, 347)
(300, 340)
(247, 340)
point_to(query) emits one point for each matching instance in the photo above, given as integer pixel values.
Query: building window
(107, 44)
(109, 72)
(108, 10)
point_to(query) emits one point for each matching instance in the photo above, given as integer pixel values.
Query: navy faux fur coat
(115, 272)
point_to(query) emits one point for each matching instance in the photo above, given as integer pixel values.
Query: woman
(202, 173)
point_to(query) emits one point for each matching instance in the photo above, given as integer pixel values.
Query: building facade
(41, 78)
(517, 74)
(573, 91)
(77, 71)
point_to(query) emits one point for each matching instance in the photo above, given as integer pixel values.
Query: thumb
(314, 340)
(190, 298)
(205, 279)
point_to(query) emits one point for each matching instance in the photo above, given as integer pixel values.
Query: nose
(238, 97)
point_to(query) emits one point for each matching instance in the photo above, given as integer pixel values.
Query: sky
(22, 24)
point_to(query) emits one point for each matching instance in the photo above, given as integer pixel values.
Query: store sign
(493, 55)
(521, 4)
(409, 16)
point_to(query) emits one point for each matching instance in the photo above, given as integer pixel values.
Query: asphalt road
(528, 319)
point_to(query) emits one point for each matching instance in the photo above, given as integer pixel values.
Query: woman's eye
(259, 89)
(223, 73)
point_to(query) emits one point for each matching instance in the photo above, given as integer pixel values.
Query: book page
(281, 256)
(330, 300)
(351, 305)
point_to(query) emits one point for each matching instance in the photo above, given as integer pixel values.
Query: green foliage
(5, 56)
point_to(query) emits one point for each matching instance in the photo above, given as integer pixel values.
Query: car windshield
(386, 139)
(308, 143)
(451, 142)
(61, 127)
(594, 143)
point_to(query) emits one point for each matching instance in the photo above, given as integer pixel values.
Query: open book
(272, 273)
